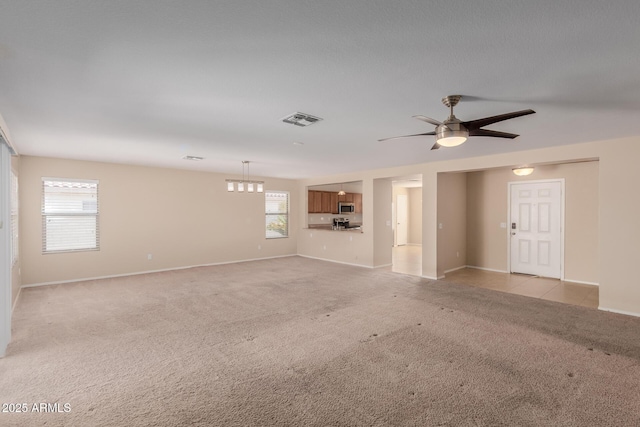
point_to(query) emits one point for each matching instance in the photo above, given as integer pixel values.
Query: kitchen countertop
(330, 227)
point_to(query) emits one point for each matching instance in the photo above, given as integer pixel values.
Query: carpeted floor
(301, 342)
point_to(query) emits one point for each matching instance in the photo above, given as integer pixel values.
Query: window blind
(69, 215)
(277, 214)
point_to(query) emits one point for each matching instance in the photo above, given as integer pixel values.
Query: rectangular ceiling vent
(301, 119)
(196, 158)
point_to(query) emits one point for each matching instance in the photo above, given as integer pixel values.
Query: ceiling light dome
(523, 171)
(451, 133)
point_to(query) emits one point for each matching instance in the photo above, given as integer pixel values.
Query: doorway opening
(407, 225)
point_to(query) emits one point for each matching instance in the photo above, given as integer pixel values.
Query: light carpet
(301, 342)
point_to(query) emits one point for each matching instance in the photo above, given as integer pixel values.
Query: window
(277, 213)
(14, 218)
(69, 215)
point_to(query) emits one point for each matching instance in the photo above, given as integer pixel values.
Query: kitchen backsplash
(316, 219)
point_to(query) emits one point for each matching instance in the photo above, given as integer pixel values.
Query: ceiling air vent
(196, 158)
(301, 119)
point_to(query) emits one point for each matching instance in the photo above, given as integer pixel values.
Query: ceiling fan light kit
(523, 171)
(453, 132)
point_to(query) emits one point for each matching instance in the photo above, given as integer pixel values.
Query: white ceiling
(148, 82)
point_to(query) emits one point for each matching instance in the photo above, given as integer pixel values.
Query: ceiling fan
(453, 132)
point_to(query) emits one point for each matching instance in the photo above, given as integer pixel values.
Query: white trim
(413, 244)
(562, 218)
(13, 307)
(613, 310)
(429, 277)
(341, 262)
(455, 269)
(62, 179)
(34, 285)
(581, 282)
(487, 269)
(381, 266)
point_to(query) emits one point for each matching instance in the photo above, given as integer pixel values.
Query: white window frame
(271, 214)
(59, 214)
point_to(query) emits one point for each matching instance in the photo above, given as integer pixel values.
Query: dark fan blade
(407, 136)
(428, 120)
(477, 124)
(436, 146)
(494, 133)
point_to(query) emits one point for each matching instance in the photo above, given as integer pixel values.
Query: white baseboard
(13, 307)
(383, 266)
(581, 282)
(341, 262)
(613, 310)
(455, 269)
(33, 285)
(486, 269)
(429, 277)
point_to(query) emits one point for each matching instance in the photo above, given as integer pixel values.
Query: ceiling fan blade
(428, 120)
(406, 136)
(436, 146)
(477, 124)
(494, 133)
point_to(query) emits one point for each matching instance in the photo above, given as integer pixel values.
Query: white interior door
(402, 220)
(536, 228)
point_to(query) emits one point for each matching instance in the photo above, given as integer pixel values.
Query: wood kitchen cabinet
(326, 202)
(348, 197)
(334, 203)
(322, 202)
(357, 200)
(315, 201)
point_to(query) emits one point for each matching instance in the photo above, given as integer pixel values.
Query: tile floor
(408, 260)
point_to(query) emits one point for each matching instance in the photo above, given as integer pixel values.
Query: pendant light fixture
(341, 192)
(248, 184)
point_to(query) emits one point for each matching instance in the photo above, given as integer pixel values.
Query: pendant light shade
(248, 184)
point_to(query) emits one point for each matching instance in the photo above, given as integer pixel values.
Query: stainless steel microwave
(346, 208)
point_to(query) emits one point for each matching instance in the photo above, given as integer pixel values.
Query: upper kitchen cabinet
(326, 202)
(315, 201)
(357, 199)
(347, 197)
(334, 203)
(325, 198)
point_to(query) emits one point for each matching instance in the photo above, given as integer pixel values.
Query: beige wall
(349, 247)
(487, 199)
(16, 280)
(415, 215)
(382, 217)
(619, 230)
(616, 242)
(617, 209)
(452, 215)
(183, 218)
